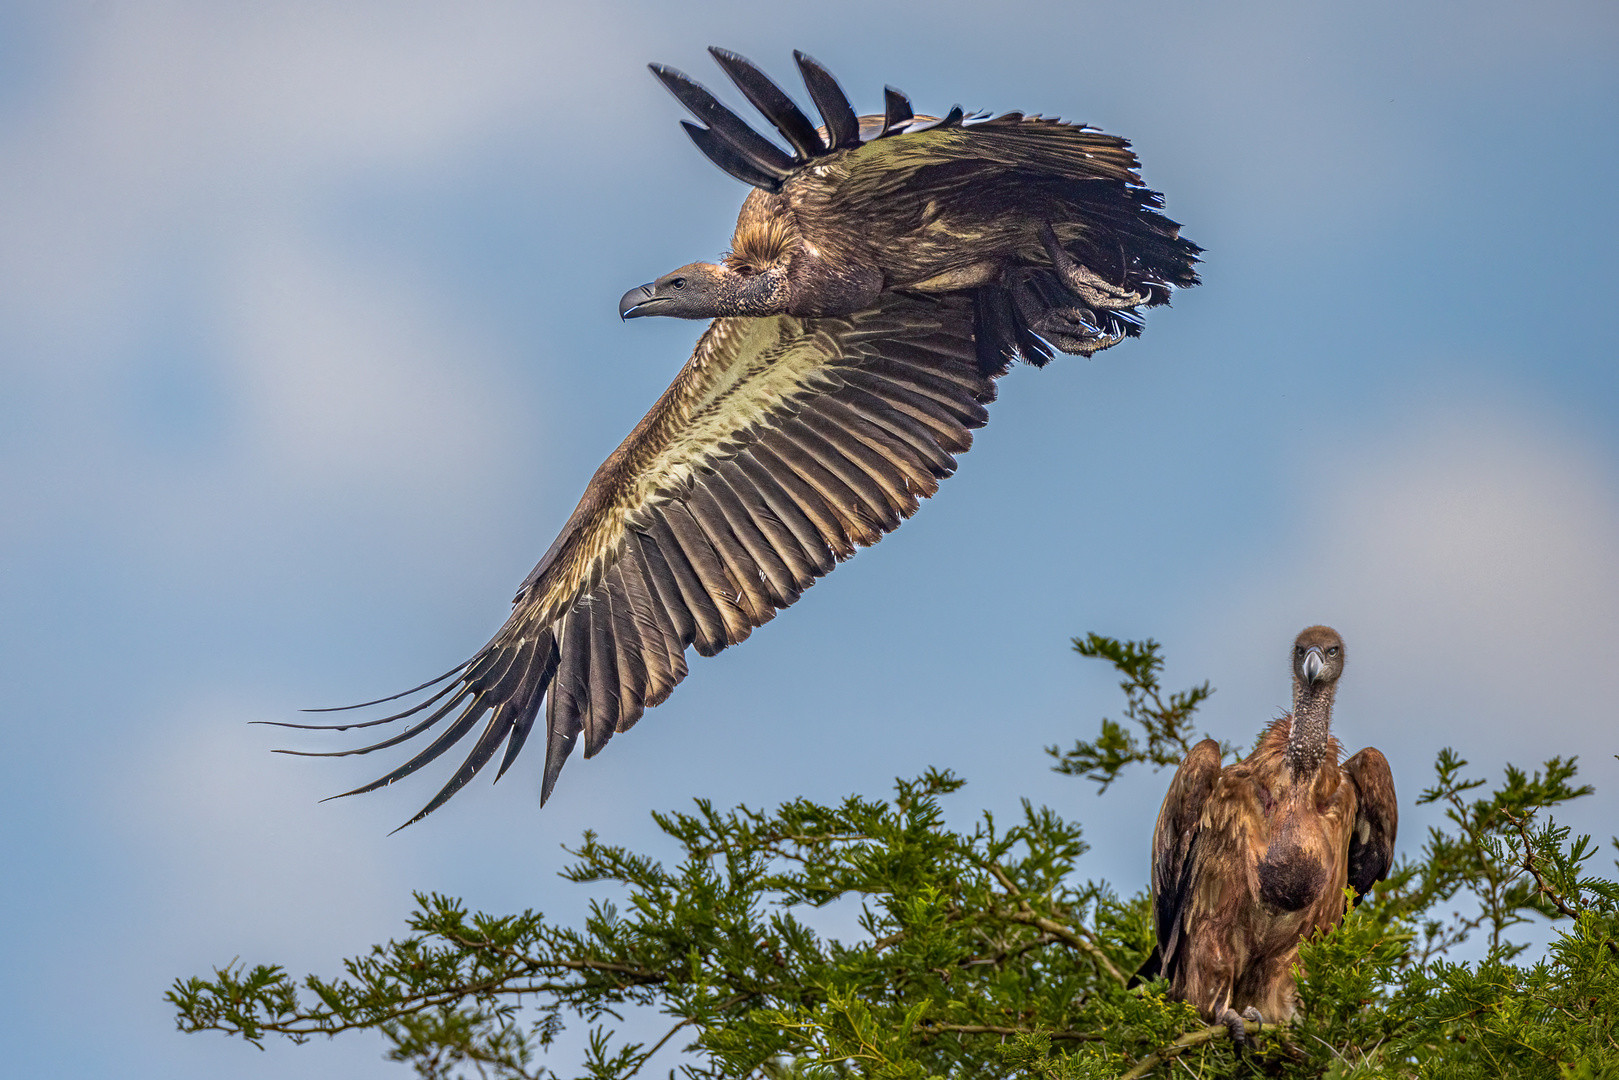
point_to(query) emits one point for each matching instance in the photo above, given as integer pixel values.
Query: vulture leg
(1087, 285)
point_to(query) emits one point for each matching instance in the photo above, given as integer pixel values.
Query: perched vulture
(883, 273)
(1251, 859)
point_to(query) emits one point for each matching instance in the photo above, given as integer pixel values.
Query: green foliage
(1167, 724)
(980, 954)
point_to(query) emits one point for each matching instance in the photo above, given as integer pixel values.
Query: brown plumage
(1251, 859)
(885, 273)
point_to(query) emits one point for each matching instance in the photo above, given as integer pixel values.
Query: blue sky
(308, 345)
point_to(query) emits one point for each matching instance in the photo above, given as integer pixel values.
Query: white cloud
(1471, 560)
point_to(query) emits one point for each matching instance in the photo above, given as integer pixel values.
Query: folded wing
(1377, 817)
(1174, 850)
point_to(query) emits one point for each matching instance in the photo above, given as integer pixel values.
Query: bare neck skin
(1308, 741)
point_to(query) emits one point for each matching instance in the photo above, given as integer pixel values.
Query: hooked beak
(1313, 663)
(637, 301)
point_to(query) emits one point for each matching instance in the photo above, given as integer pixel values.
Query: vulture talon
(1089, 286)
(1239, 1032)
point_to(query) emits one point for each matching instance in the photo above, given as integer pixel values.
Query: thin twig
(721, 1007)
(992, 1029)
(1069, 938)
(1026, 914)
(1157, 1057)
(1541, 884)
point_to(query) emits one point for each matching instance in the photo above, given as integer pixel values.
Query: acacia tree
(981, 953)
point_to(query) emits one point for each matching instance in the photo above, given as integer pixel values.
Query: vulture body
(1251, 859)
(884, 273)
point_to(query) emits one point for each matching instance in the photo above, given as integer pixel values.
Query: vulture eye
(678, 283)
(1333, 651)
(1298, 650)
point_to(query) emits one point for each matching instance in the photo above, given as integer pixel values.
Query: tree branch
(1190, 1039)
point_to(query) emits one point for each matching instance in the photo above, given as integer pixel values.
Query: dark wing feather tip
(457, 669)
(728, 128)
(773, 104)
(842, 126)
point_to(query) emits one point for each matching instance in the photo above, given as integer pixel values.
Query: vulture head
(707, 291)
(1318, 657)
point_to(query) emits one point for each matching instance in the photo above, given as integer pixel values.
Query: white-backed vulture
(1251, 859)
(884, 273)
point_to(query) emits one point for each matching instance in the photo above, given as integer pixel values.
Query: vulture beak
(636, 302)
(1313, 663)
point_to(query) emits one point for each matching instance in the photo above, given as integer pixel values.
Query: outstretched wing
(1377, 817)
(782, 445)
(932, 199)
(1174, 842)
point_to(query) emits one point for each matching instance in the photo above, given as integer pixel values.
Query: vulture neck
(1310, 739)
(764, 293)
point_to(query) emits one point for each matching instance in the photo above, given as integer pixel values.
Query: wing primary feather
(773, 104)
(508, 655)
(496, 730)
(897, 111)
(821, 555)
(784, 540)
(727, 126)
(723, 594)
(456, 670)
(739, 567)
(842, 126)
(412, 711)
(533, 699)
(726, 157)
(602, 719)
(868, 494)
(781, 582)
(509, 700)
(569, 699)
(707, 624)
(463, 692)
(670, 606)
(629, 648)
(452, 735)
(855, 524)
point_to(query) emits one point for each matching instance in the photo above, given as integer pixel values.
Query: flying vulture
(1251, 859)
(884, 271)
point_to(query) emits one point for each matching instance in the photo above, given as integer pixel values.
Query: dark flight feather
(773, 104)
(896, 111)
(727, 157)
(842, 126)
(760, 153)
